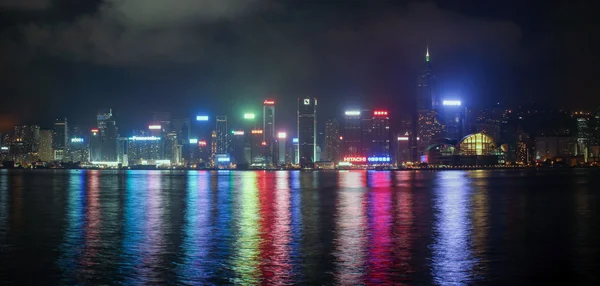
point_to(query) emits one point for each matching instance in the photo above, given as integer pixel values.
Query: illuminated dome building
(473, 149)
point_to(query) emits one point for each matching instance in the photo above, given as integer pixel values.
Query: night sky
(72, 57)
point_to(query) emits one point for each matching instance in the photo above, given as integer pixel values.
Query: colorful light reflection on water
(281, 228)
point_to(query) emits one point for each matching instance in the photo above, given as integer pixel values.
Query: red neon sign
(263, 143)
(355, 159)
(269, 102)
(380, 113)
(95, 130)
(257, 131)
(202, 143)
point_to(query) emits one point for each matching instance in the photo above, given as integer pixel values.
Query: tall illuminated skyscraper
(427, 98)
(222, 134)
(427, 125)
(269, 128)
(307, 131)
(352, 135)
(59, 138)
(45, 147)
(380, 135)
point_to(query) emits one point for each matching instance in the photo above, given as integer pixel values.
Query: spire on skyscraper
(427, 54)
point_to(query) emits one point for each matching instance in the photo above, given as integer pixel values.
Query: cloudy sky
(72, 57)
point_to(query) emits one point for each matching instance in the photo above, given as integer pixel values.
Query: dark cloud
(215, 50)
(25, 4)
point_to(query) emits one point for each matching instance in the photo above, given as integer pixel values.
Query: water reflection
(351, 223)
(4, 204)
(246, 258)
(452, 256)
(73, 240)
(380, 220)
(197, 230)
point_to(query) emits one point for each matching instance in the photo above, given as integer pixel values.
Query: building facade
(307, 131)
(332, 140)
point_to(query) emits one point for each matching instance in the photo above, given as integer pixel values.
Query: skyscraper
(45, 148)
(307, 131)
(380, 135)
(427, 125)
(352, 136)
(59, 138)
(332, 140)
(95, 145)
(222, 134)
(269, 128)
(107, 128)
(453, 116)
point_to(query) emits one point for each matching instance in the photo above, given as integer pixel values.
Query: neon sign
(281, 135)
(249, 116)
(257, 131)
(144, 138)
(269, 102)
(223, 159)
(380, 113)
(202, 143)
(76, 140)
(193, 141)
(154, 127)
(355, 159)
(294, 140)
(237, 132)
(451, 102)
(201, 118)
(352, 113)
(379, 159)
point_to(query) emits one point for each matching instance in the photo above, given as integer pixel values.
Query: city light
(355, 159)
(403, 138)
(201, 118)
(281, 135)
(379, 159)
(269, 102)
(202, 143)
(223, 159)
(380, 113)
(237, 132)
(345, 164)
(95, 130)
(249, 116)
(263, 143)
(257, 131)
(154, 127)
(76, 140)
(294, 140)
(193, 141)
(3, 148)
(451, 102)
(144, 138)
(352, 113)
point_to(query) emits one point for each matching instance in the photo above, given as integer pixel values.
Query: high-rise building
(307, 131)
(78, 149)
(222, 135)
(95, 145)
(237, 148)
(107, 130)
(352, 136)
(380, 135)
(269, 128)
(281, 148)
(59, 139)
(427, 89)
(46, 152)
(332, 140)
(143, 149)
(366, 125)
(452, 115)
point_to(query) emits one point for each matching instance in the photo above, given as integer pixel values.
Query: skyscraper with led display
(427, 124)
(307, 131)
(352, 134)
(380, 135)
(453, 115)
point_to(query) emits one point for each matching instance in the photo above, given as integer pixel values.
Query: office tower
(257, 147)
(427, 126)
(237, 148)
(143, 149)
(213, 145)
(352, 137)
(583, 132)
(27, 138)
(269, 128)
(59, 138)
(307, 131)
(107, 130)
(295, 151)
(380, 135)
(163, 119)
(78, 149)
(46, 152)
(281, 148)
(366, 125)
(403, 150)
(452, 115)
(172, 148)
(122, 156)
(332, 140)
(222, 135)
(95, 145)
